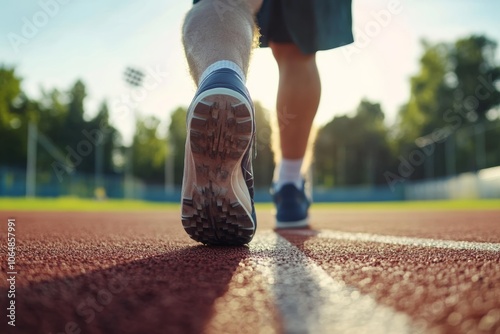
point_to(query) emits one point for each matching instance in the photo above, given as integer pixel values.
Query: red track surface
(140, 273)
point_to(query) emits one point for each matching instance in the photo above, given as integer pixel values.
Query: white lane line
(405, 241)
(311, 301)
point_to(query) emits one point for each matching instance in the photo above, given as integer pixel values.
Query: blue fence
(483, 184)
(13, 184)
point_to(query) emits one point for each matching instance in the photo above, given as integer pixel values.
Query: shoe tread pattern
(220, 133)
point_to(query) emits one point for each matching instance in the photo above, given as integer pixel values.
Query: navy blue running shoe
(217, 188)
(292, 206)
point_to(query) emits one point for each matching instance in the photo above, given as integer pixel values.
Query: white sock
(222, 64)
(289, 172)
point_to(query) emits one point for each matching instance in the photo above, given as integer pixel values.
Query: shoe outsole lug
(220, 133)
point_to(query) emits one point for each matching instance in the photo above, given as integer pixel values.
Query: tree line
(449, 125)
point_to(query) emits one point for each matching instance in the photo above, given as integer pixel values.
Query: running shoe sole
(216, 204)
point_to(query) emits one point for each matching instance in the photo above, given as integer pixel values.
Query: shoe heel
(220, 133)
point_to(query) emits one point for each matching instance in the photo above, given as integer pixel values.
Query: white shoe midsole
(238, 184)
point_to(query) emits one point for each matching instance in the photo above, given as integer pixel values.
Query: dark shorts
(312, 25)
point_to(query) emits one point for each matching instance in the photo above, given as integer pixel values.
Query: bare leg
(219, 30)
(298, 98)
(217, 187)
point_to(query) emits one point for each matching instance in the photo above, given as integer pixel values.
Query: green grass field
(77, 204)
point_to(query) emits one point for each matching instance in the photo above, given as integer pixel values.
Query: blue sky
(95, 41)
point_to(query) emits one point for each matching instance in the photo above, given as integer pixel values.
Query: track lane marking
(397, 240)
(309, 300)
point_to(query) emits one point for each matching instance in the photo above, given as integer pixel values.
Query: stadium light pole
(133, 78)
(450, 155)
(31, 160)
(342, 162)
(99, 163)
(169, 167)
(479, 133)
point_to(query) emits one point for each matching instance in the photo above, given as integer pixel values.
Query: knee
(290, 53)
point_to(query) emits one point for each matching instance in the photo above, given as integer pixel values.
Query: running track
(353, 272)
